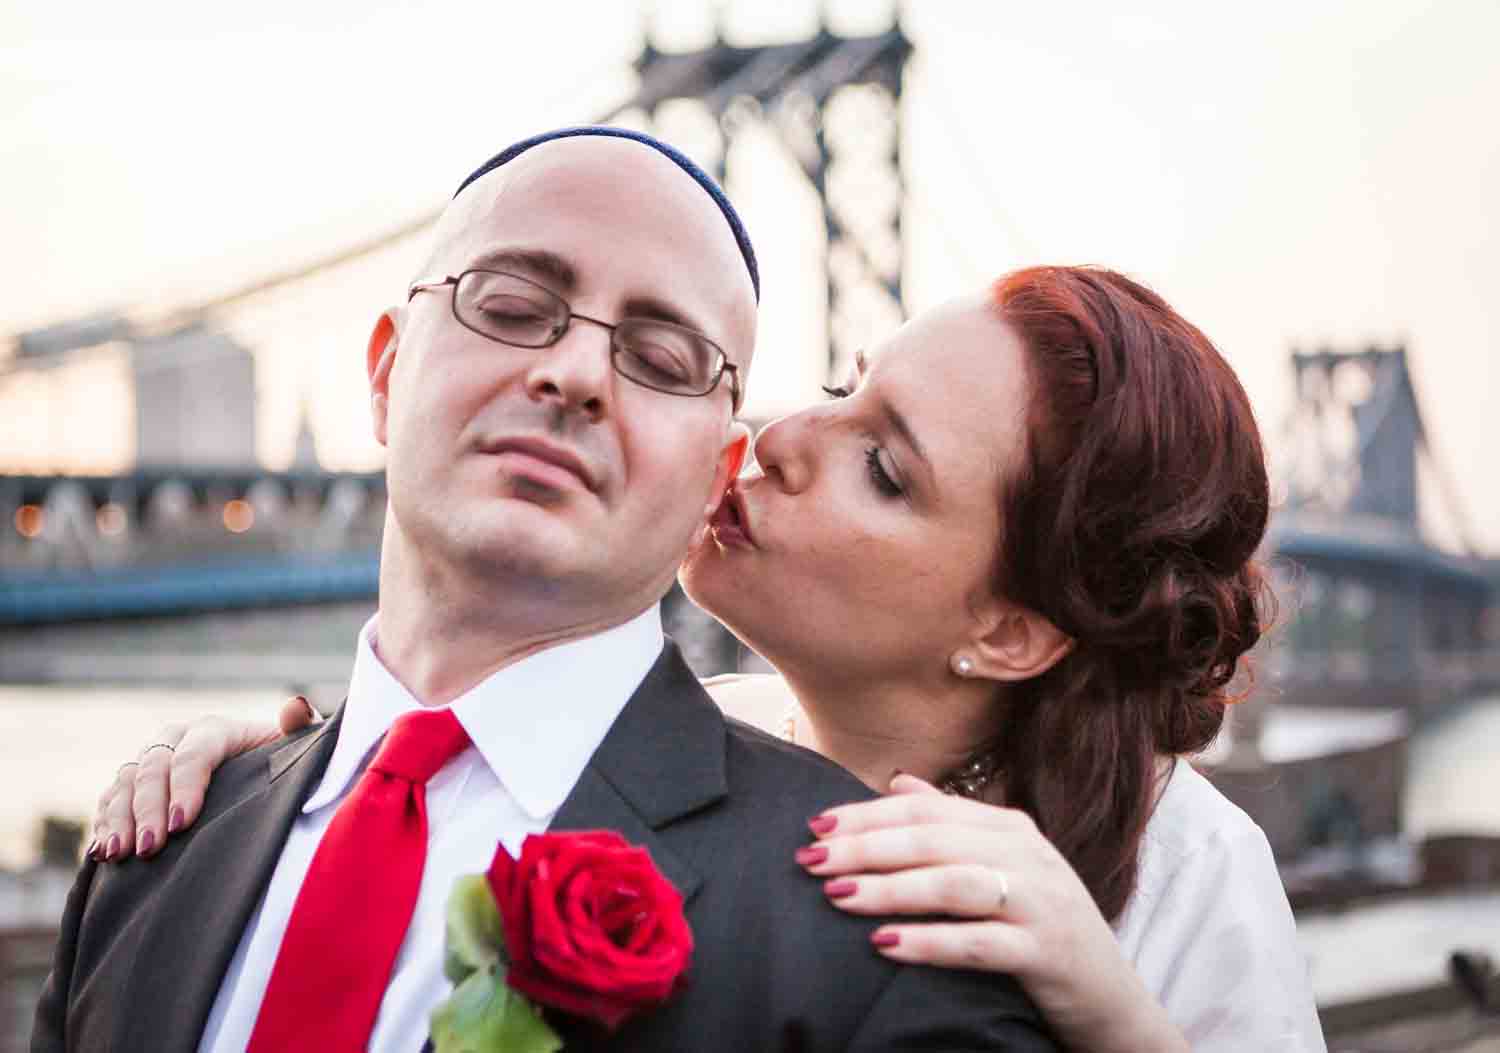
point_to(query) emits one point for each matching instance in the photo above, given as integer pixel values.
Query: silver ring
(1004, 896)
(127, 764)
(158, 746)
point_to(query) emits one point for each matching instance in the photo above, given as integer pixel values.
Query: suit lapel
(663, 759)
(205, 904)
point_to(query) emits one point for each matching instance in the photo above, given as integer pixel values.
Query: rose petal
(602, 930)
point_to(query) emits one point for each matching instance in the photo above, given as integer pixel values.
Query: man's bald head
(667, 150)
(609, 184)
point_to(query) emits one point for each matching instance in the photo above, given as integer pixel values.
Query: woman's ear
(1012, 643)
(380, 357)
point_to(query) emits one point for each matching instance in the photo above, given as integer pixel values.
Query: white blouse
(1208, 927)
(1210, 931)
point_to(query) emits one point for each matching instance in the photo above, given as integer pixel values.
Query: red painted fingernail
(812, 855)
(822, 824)
(148, 841)
(174, 823)
(883, 938)
(839, 888)
(113, 848)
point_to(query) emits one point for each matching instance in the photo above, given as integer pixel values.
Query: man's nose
(783, 453)
(576, 372)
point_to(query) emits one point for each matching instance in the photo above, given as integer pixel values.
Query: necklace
(973, 778)
(969, 780)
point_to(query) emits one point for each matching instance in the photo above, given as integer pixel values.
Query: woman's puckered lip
(732, 521)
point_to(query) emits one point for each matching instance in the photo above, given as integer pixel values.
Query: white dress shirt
(532, 727)
(1209, 930)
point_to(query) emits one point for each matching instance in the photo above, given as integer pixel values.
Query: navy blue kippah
(703, 179)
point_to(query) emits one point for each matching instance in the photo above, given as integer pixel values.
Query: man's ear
(380, 357)
(731, 458)
(1011, 643)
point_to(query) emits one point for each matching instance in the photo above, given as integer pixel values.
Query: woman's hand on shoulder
(1018, 907)
(161, 791)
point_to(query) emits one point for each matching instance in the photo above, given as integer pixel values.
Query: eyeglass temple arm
(428, 283)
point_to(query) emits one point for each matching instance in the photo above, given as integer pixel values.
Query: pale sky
(1291, 174)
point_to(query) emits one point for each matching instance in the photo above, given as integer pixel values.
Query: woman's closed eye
(883, 480)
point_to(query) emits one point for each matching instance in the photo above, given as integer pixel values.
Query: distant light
(110, 519)
(29, 520)
(238, 516)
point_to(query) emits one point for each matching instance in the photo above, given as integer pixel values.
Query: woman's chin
(708, 576)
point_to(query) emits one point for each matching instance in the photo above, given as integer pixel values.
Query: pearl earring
(962, 666)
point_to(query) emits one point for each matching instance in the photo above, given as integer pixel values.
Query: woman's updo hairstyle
(1132, 525)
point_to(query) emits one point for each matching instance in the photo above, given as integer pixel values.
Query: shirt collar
(535, 722)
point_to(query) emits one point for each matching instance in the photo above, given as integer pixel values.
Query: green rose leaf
(483, 1015)
(475, 940)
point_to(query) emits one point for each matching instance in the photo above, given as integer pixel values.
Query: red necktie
(357, 899)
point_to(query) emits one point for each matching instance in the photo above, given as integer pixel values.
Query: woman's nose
(782, 452)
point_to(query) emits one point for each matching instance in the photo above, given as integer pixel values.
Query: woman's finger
(959, 890)
(151, 791)
(906, 782)
(993, 946)
(297, 713)
(902, 847)
(114, 823)
(209, 742)
(914, 807)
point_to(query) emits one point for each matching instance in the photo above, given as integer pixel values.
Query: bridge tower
(834, 104)
(1383, 616)
(1355, 436)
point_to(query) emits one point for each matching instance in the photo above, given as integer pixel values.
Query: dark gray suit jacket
(720, 806)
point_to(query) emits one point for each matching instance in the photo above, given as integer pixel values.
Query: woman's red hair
(1132, 525)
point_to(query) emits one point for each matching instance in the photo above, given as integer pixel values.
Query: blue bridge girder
(32, 598)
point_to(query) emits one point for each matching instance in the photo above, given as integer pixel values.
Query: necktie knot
(419, 744)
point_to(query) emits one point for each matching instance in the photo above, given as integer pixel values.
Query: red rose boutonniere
(583, 923)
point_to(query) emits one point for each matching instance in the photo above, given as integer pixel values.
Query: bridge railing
(1350, 676)
(51, 525)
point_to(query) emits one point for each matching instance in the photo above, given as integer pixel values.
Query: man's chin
(521, 536)
(527, 490)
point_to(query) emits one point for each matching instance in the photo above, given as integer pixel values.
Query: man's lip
(731, 523)
(546, 452)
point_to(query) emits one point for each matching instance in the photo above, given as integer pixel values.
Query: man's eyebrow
(661, 311)
(554, 271)
(559, 275)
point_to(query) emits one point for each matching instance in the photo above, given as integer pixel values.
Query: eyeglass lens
(656, 354)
